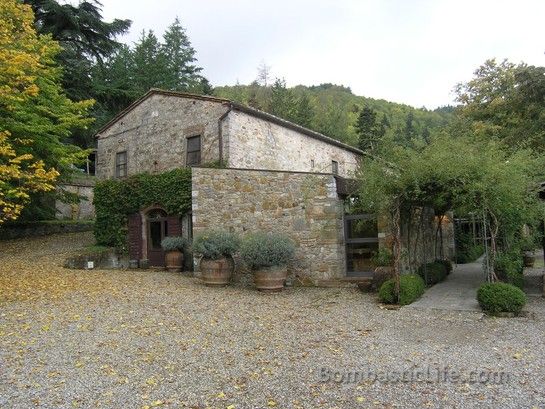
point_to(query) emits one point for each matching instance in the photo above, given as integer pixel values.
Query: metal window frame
(348, 241)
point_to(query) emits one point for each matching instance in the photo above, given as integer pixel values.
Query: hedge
(501, 297)
(115, 199)
(411, 288)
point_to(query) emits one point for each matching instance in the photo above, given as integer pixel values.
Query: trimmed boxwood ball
(171, 243)
(216, 244)
(267, 250)
(433, 273)
(411, 288)
(501, 297)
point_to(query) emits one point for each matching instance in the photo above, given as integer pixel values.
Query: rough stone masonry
(304, 206)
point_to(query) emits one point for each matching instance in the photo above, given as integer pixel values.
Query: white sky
(411, 51)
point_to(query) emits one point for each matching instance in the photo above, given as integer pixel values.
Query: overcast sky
(412, 52)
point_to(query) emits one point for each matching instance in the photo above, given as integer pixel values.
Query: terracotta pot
(174, 260)
(529, 259)
(217, 272)
(270, 279)
(382, 274)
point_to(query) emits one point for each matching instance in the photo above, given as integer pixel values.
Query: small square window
(335, 167)
(193, 151)
(121, 164)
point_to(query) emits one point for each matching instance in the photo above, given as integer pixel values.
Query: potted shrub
(383, 260)
(528, 247)
(268, 255)
(217, 249)
(174, 256)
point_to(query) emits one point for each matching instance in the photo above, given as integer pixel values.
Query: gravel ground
(137, 339)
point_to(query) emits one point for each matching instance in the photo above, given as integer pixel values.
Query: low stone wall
(106, 258)
(20, 230)
(304, 206)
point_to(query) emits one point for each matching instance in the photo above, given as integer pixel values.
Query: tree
(367, 129)
(506, 102)
(283, 102)
(35, 114)
(149, 64)
(263, 74)
(304, 112)
(181, 72)
(84, 37)
(87, 41)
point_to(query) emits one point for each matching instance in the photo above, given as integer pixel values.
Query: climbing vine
(115, 199)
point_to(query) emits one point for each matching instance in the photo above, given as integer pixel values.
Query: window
(121, 164)
(312, 163)
(335, 167)
(193, 150)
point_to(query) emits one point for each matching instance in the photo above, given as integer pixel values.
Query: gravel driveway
(141, 339)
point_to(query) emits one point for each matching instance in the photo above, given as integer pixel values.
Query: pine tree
(305, 112)
(150, 66)
(283, 101)
(367, 129)
(182, 74)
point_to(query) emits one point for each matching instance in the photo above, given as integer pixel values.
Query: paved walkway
(457, 293)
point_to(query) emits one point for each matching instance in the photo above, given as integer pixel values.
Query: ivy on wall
(115, 199)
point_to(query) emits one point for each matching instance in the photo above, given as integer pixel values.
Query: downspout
(220, 132)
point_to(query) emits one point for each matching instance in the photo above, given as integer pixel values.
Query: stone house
(275, 176)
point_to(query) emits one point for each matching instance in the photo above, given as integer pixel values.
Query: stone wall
(255, 143)
(154, 135)
(303, 205)
(84, 209)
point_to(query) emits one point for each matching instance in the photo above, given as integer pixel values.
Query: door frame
(145, 228)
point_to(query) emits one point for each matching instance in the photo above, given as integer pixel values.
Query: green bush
(266, 250)
(509, 267)
(501, 297)
(447, 263)
(433, 273)
(411, 288)
(383, 258)
(171, 243)
(115, 199)
(216, 244)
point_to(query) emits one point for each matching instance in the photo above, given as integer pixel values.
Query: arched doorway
(157, 230)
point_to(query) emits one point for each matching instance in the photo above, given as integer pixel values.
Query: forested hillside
(335, 111)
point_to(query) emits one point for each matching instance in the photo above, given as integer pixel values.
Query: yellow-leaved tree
(35, 114)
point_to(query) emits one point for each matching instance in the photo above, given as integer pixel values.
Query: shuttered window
(193, 151)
